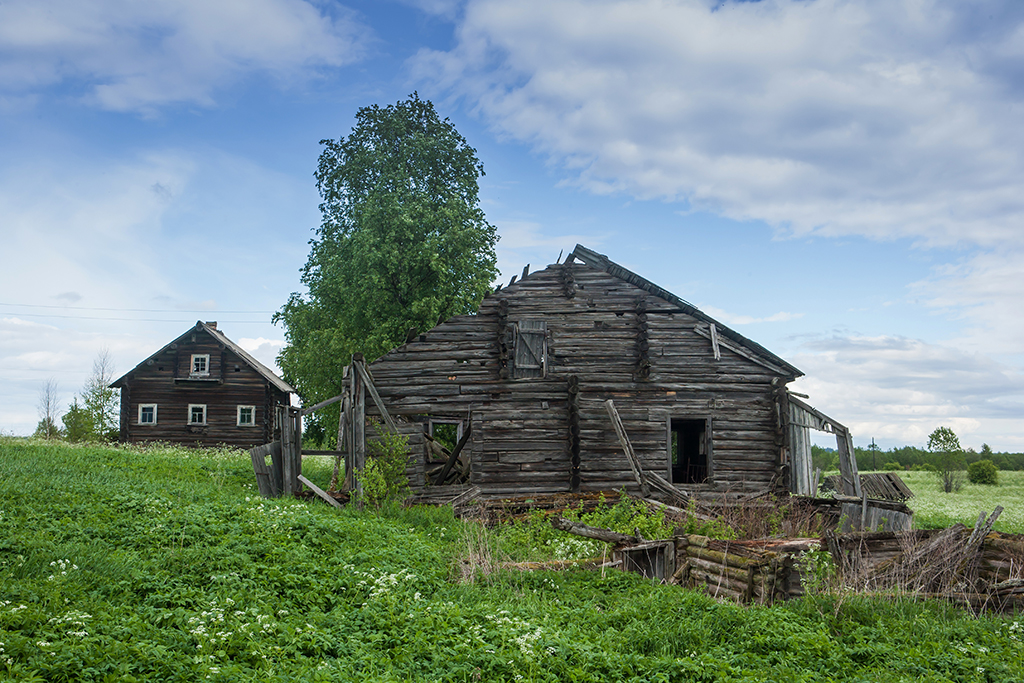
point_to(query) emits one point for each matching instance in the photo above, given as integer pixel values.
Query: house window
(246, 416)
(200, 364)
(530, 359)
(689, 450)
(197, 414)
(147, 414)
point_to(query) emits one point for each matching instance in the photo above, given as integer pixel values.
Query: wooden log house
(202, 389)
(529, 374)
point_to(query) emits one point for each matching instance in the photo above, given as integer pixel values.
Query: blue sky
(841, 181)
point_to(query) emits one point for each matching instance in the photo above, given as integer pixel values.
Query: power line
(139, 320)
(128, 310)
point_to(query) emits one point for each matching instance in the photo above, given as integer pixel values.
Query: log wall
(231, 382)
(619, 342)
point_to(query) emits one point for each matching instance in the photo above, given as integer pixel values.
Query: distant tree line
(913, 458)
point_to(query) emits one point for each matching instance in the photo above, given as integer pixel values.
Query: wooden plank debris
(320, 493)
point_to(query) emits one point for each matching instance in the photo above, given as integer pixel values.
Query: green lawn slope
(165, 565)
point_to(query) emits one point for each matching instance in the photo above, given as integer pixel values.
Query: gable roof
(602, 262)
(212, 330)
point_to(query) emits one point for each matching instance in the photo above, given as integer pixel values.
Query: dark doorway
(688, 451)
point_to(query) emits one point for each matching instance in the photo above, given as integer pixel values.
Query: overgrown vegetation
(384, 475)
(163, 564)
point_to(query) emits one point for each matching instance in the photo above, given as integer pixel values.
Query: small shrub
(983, 472)
(384, 474)
(892, 467)
(924, 467)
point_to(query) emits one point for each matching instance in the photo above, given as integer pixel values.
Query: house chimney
(211, 324)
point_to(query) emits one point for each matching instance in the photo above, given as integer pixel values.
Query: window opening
(197, 414)
(246, 416)
(147, 414)
(446, 433)
(688, 451)
(200, 364)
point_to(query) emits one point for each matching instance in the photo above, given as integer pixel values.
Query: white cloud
(264, 350)
(899, 390)
(733, 319)
(984, 292)
(135, 56)
(894, 119)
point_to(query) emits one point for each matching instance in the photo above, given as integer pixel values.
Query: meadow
(935, 509)
(126, 564)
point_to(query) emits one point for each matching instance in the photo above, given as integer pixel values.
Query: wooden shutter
(530, 348)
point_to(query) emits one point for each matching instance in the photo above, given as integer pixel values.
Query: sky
(840, 181)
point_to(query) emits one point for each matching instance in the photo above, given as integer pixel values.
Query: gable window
(147, 413)
(246, 416)
(530, 359)
(200, 364)
(197, 414)
(689, 450)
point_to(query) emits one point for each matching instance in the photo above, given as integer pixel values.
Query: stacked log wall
(603, 335)
(231, 382)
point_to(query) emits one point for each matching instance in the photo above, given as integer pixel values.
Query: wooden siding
(622, 343)
(167, 383)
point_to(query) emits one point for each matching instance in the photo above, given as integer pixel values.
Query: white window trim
(147, 405)
(192, 368)
(188, 416)
(238, 416)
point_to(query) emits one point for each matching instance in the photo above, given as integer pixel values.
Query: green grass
(165, 565)
(935, 509)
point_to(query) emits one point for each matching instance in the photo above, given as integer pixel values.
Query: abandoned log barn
(202, 389)
(524, 384)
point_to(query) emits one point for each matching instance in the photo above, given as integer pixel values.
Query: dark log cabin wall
(605, 338)
(165, 379)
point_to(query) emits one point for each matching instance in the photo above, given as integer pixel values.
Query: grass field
(164, 565)
(935, 509)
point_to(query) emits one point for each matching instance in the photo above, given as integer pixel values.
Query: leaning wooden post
(287, 449)
(296, 415)
(634, 462)
(358, 424)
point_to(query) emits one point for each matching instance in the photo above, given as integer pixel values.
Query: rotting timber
(585, 377)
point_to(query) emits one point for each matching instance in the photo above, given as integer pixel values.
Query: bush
(892, 467)
(983, 472)
(924, 467)
(384, 474)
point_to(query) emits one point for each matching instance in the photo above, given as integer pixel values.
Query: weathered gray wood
(288, 456)
(455, 453)
(264, 478)
(322, 404)
(358, 427)
(634, 462)
(320, 493)
(367, 383)
(597, 533)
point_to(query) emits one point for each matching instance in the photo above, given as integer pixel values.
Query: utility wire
(139, 320)
(128, 310)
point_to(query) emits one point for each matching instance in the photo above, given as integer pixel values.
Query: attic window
(200, 364)
(530, 359)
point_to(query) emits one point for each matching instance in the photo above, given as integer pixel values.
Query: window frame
(140, 421)
(238, 416)
(188, 416)
(192, 372)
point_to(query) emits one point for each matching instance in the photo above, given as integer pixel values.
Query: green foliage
(951, 463)
(166, 567)
(983, 472)
(819, 572)
(892, 467)
(384, 476)
(403, 245)
(78, 424)
(47, 429)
